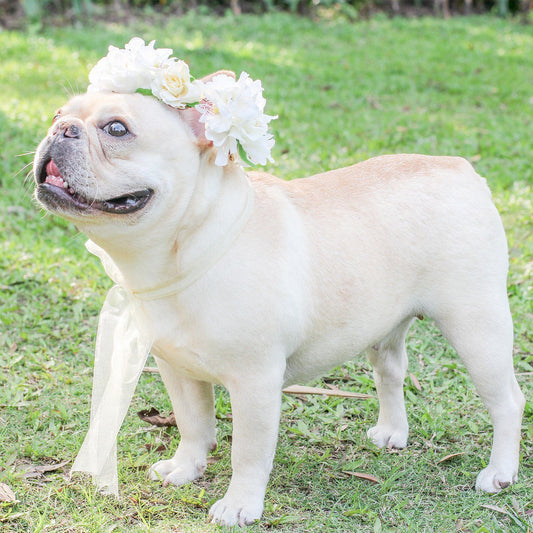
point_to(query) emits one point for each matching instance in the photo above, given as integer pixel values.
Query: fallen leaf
(152, 416)
(50, 468)
(496, 508)
(300, 389)
(40, 470)
(516, 506)
(366, 477)
(153, 447)
(6, 494)
(451, 456)
(415, 382)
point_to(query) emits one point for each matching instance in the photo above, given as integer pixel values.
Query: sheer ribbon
(123, 343)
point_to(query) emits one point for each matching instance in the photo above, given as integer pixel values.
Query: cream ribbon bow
(123, 343)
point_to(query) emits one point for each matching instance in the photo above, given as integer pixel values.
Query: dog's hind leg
(193, 405)
(389, 360)
(481, 332)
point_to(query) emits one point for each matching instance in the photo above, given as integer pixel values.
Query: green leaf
(244, 156)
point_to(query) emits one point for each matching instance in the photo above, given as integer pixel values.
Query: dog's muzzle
(56, 192)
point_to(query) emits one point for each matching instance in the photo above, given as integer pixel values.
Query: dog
(288, 279)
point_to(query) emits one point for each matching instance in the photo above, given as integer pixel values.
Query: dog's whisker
(30, 164)
(97, 189)
(27, 182)
(71, 91)
(76, 236)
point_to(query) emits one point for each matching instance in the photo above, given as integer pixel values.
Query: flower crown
(231, 110)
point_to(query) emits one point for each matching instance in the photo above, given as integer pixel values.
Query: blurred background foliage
(18, 13)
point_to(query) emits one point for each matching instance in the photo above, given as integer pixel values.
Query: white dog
(285, 279)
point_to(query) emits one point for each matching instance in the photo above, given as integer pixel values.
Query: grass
(343, 92)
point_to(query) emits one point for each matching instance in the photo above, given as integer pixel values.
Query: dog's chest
(184, 360)
(178, 343)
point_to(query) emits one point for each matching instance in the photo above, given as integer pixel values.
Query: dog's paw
(228, 512)
(389, 437)
(173, 472)
(491, 480)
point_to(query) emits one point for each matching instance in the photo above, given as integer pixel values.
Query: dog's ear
(191, 116)
(209, 77)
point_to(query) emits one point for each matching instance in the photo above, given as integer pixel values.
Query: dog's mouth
(54, 191)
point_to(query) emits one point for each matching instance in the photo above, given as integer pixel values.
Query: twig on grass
(301, 389)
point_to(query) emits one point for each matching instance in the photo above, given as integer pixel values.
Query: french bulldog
(287, 279)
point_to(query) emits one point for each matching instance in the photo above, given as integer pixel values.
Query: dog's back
(405, 234)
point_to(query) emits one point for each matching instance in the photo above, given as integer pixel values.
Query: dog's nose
(72, 130)
(66, 129)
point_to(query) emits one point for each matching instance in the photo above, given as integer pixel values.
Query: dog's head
(111, 158)
(115, 159)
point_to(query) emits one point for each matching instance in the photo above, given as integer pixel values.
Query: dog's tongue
(51, 169)
(53, 176)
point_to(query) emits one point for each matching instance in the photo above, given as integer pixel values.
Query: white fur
(326, 268)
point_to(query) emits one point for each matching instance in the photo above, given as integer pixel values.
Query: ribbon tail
(122, 348)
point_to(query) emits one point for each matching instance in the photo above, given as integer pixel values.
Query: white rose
(172, 84)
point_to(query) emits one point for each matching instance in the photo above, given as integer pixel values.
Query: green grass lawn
(343, 92)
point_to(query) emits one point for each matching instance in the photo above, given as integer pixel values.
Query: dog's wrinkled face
(110, 158)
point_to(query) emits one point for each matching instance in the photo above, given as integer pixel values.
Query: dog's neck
(175, 255)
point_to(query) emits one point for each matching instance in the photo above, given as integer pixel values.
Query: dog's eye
(56, 116)
(116, 129)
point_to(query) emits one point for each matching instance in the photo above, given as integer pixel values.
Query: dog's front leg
(256, 406)
(193, 406)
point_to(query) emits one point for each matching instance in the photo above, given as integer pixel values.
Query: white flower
(233, 115)
(172, 85)
(125, 71)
